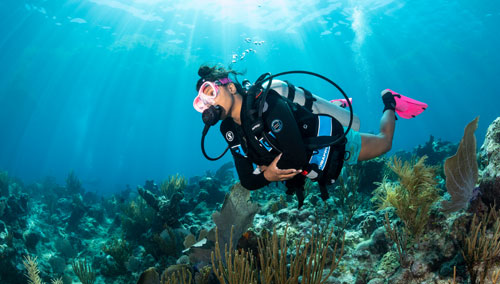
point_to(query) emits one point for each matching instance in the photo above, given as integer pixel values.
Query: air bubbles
(236, 57)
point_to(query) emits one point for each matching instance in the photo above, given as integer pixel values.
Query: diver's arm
(288, 135)
(244, 167)
(245, 171)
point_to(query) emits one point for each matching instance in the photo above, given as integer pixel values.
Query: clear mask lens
(208, 92)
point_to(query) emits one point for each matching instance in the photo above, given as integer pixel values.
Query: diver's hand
(272, 173)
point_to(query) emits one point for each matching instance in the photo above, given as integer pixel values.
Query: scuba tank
(319, 106)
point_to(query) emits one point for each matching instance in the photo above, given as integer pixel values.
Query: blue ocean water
(105, 87)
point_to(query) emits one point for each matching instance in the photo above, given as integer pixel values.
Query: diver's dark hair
(216, 72)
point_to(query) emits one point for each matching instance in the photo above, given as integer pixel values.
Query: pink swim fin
(407, 107)
(341, 102)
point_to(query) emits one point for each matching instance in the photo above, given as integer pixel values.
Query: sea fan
(461, 171)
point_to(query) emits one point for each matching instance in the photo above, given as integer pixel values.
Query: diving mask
(207, 94)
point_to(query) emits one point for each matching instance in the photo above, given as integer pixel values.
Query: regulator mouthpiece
(211, 115)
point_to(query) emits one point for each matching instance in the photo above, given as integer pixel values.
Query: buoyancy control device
(256, 96)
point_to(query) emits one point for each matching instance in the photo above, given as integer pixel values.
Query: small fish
(235, 56)
(248, 39)
(247, 50)
(234, 61)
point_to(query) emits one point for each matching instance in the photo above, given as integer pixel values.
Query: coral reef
(308, 262)
(489, 161)
(84, 272)
(236, 215)
(225, 173)
(369, 172)
(118, 252)
(480, 246)
(166, 233)
(33, 274)
(73, 184)
(436, 150)
(209, 191)
(171, 186)
(137, 218)
(168, 210)
(346, 197)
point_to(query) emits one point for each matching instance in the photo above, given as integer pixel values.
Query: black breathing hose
(205, 131)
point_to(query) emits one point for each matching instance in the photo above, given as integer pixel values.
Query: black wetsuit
(287, 126)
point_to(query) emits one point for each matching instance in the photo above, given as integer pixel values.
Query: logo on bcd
(230, 136)
(276, 125)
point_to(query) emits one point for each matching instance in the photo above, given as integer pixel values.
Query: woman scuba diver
(274, 138)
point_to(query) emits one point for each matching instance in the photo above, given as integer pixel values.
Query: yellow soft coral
(172, 185)
(413, 196)
(31, 265)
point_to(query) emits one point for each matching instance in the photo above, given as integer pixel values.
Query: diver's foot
(405, 107)
(388, 99)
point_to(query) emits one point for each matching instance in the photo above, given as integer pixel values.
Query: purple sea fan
(461, 172)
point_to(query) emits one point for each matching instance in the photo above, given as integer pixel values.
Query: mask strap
(225, 81)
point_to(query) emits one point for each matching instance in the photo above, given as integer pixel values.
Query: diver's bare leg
(375, 145)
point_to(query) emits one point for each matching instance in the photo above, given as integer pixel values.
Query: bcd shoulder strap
(309, 99)
(291, 91)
